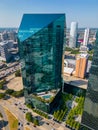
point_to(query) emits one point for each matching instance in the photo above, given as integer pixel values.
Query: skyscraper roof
(32, 23)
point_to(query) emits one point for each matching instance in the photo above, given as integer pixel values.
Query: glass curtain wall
(41, 56)
(90, 114)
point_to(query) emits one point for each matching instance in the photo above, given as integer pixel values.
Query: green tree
(77, 126)
(18, 73)
(30, 105)
(90, 57)
(74, 125)
(75, 52)
(2, 95)
(29, 117)
(1, 115)
(91, 52)
(68, 49)
(54, 114)
(36, 122)
(18, 93)
(41, 113)
(9, 91)
(2, 84)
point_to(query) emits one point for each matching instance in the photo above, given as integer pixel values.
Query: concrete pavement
(6, 126)
(20, 114)
(16, 113)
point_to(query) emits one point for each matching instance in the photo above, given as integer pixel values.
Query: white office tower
(94, 37)
(73, 35)
(86, 37)
(1, 37)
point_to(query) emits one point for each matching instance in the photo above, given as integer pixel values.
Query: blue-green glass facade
(90, 114)
(40, 39)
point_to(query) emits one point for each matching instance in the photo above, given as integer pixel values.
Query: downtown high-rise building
(1, 37)
(81, 65)
(90, 114)
(5, 53)
(41, 47)
(86, 37)
(73, 35)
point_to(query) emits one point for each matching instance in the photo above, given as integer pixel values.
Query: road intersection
(18, 109)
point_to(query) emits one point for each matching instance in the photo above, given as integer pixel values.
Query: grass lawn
(13, 122)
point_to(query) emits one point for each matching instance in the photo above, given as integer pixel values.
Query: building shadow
(41, 123)
(38, 117)
(74, 89)
(6, 97)
(78, 82)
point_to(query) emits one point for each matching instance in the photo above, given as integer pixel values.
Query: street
(5, 123)
(9, 70)
(18, 109)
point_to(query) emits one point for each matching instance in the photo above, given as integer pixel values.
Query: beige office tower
(81, 65)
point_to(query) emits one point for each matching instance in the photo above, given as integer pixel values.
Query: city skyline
(47, 76)
(83, 12)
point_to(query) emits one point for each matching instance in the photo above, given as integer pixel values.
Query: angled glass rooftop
(32, 23)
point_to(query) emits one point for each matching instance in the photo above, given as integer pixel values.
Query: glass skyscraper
(73, 35)
(41, 46)
(90, 114)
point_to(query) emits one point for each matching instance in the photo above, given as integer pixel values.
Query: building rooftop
(68, 70)
(71, 61)
(5, 42)
(32, 23)
(78, 82)
(83, 55)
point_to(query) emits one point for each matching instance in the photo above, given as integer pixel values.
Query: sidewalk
(62, 128)
(41, 127)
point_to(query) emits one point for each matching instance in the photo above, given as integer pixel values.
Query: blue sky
(85, 12)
